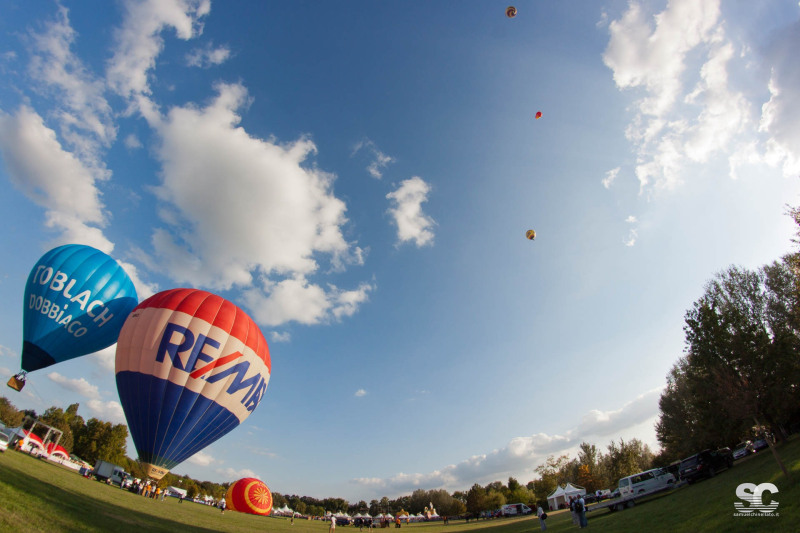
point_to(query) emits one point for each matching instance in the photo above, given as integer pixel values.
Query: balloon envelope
(249, 495)
(530, 234)
(190, 367)
(76, 300)
(511, 12)
(538, 115)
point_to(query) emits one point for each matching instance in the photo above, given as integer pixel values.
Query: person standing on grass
(332, 528)
(580, 508)
(542, 517)
(572, 511)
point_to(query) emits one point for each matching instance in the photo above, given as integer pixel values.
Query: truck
(515, 509)
(109, 473)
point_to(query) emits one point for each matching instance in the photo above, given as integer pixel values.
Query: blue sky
(359, 176)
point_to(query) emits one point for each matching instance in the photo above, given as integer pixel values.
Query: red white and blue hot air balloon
(190, 367)
(76, 300)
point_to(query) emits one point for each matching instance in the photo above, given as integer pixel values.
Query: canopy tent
(562, 495)
(55, 450)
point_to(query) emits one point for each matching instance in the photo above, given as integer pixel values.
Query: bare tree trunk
(773, 450)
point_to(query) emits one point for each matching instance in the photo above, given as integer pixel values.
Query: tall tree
(10, 415)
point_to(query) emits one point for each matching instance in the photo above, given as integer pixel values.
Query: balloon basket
(17, 382)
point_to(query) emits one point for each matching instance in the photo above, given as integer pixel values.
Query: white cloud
(78, 386)
(633, 233)
(132, 142)
(7, 352)
(82, 111)
(521, 454)
(138, 41)
(298, 300)
(360, 393)
(106, 358)
(611, 175)
(208, 56)
(201, 459)
(232, 474)
(110, 411)
(406, 211)
(53, 178)
(276, 336)
(379, 160)
(780, 116)
(270, 212)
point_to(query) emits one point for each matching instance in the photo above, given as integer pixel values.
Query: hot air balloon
(190, 367)
(530, 234)
(538, 115)
(511, 12)
(76, 300)
(249, 495)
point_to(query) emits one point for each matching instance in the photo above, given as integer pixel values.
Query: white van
(644, 482)
(515, 509)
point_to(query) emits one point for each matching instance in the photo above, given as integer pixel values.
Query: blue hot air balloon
(76, 300)
(190, 367)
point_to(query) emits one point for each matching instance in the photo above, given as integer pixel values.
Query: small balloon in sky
(530, 234)
(538, 115)
(511, 12)
(249, 495)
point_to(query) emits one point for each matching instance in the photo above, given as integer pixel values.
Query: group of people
(577, 506)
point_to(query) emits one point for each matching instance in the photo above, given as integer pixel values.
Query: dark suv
(705, 464)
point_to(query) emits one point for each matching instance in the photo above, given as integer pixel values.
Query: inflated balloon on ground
(190, 367)
(249, 495)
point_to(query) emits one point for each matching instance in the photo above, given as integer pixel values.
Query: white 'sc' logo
(754, 496)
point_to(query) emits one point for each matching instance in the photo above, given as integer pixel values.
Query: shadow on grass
(76, 511)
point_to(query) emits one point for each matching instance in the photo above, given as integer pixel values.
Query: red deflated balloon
(249, 495)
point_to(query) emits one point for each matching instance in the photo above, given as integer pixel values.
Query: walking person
(542, 517)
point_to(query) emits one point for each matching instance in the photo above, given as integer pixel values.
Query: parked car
(705, 464)
(743, 449)
(759, 445)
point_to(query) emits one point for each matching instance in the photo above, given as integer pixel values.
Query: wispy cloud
(378, 160)
(208, 56)
(360, 393)
(78, 386)
(521, 454)
(611, 175)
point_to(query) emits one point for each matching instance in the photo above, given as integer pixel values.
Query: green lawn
(38, 496)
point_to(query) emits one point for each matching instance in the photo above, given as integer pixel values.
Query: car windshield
(741, 445)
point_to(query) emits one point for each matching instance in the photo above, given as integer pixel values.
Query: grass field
(39, 496)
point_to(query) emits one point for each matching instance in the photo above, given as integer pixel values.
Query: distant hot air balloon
(511, 12)
(249, 495)
(76, 300)
(530, 234)
(190, 367)
(538, 115)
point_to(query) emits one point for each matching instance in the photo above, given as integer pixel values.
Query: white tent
(563, 494)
